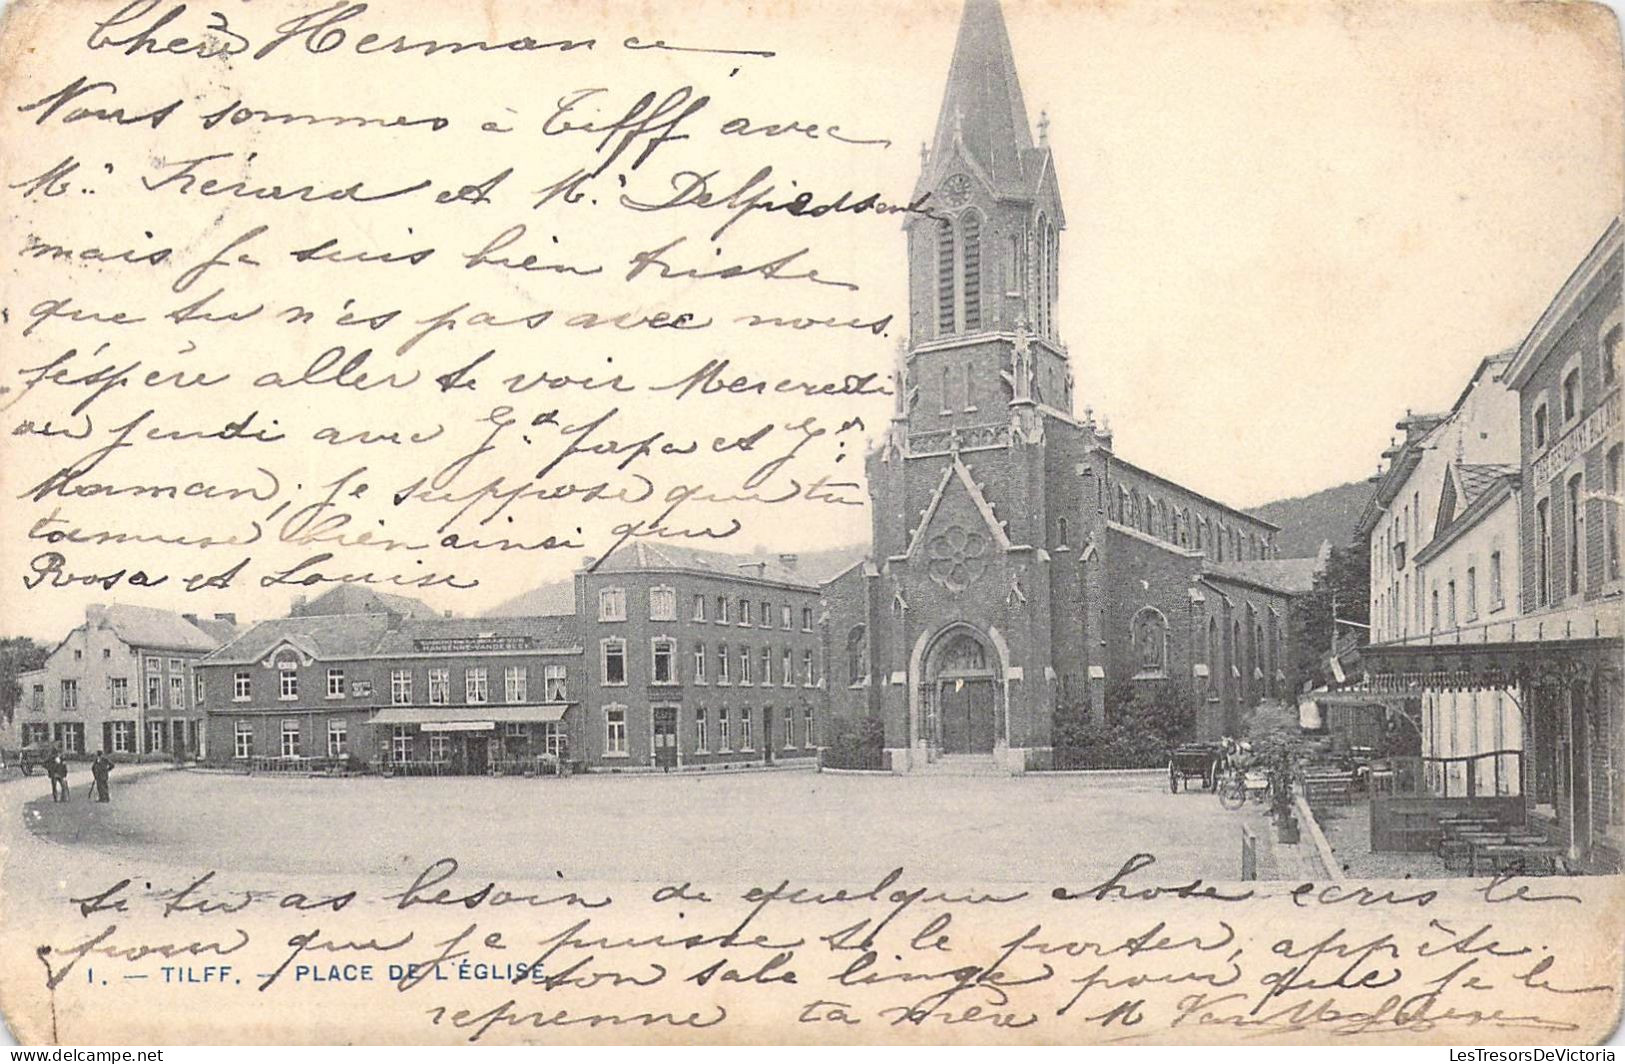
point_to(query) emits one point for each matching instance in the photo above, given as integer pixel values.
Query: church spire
(982, 109)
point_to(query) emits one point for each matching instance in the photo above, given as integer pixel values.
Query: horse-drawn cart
(1194, 761)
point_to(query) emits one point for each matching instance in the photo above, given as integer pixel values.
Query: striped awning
(467, 716)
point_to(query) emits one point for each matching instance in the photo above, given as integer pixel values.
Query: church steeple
(982, 110)
(984, 265)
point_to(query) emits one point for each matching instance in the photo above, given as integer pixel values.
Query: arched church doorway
(961, 693)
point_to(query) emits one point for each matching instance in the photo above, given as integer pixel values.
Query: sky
(1288, 223)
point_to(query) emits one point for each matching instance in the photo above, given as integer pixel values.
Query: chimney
(229, 618)
(448, 615)
(297, 607)
(789, 560)
(95, 614)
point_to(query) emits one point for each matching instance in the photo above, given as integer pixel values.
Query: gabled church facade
(1018, 566)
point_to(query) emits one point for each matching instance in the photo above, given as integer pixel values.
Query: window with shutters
(972, 236)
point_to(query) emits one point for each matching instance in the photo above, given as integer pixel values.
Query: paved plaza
(800, 825)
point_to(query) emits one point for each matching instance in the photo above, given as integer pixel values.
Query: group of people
(57, 769)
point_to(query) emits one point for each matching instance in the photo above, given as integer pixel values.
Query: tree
(1347, 576)
(17, 654)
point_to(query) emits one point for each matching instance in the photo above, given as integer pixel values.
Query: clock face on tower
(956, 190)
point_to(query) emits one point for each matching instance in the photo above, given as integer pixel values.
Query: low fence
(1075, 759)
(853, 759)
(1409, 798)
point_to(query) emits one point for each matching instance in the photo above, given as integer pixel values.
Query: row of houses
(660, 657)
(1496, 582)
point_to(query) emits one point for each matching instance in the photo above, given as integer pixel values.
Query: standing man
(57, 769)
(99, 769)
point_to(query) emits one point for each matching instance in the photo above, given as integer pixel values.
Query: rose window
(957, 558)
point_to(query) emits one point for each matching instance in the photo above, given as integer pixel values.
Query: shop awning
(470, 718)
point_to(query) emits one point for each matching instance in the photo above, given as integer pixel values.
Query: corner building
(1018, 565)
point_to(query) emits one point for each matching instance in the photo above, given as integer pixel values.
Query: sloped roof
(354, 598)
(324, 637)
(220, 631)
(1475, 480)
(555, 599)
(539, 632)
(1293, 576)
(644, 556)
(145, 626)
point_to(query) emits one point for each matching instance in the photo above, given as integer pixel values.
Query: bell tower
(983, 265)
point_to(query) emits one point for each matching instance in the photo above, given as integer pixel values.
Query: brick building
(1017, 563)
(699, 658)
(1537, 662)
(123, 682)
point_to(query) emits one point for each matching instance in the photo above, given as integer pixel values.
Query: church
(1019, 568)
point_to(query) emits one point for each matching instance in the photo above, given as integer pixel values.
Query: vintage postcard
(930, 522)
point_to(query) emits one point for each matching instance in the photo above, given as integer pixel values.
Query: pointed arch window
(1041, 257)
(971, 239)
(945, 277)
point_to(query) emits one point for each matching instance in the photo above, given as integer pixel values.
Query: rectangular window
(1472, 592)
(1496, 601)
(766, 616)
(400, 687)
(744, 613)
(809, 667)
(615, 731)
(176, 665)
(722, 730)
(197, 687)
(123, 736)
(746, 739)
(177, 691)
(1611, 505)
(787, 618)
(514, 683)
(290, 737)
(476, 686)
(439, 749)
(335, 683)
(554, 688)
(699, 663)
(787, 668)
(156, 734)
(789, 729)
(664, 654)
(1450, 597)
(662, 604)
(722, 665)
(699, 607)
(400, 743)
(722, 609)
(121, 692)
(612, 604)
(70, 695)
(71, 736)
(439, 687)
(1543, 551)
(514, 729)
(39, 698)
(242, 686)
(1435, 618)
(338, 738)
(700, 746)
(807, 735)
(612, 659)
(288, 685)
(744, 665)
(153, 664)
(242, 745)
(806, 618)
(1575, 533)
(767, 665)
